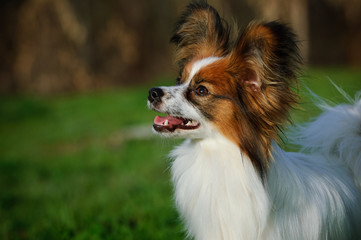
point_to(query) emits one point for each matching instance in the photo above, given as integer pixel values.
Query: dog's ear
(265, 65)
(199, 33)
(267, 54)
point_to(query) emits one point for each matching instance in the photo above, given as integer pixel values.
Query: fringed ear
(268, 54)
(265, 65)
(200, 32)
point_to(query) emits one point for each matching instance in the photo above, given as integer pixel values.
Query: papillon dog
(231, 99)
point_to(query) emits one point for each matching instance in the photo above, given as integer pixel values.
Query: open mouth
(170, 124)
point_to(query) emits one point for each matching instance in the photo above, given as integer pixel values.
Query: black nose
(155, 94)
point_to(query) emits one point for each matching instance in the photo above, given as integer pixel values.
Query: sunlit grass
(67, 170)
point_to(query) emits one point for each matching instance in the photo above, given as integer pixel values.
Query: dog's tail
(336, 133)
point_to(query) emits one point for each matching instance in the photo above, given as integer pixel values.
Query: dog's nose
(155, 94)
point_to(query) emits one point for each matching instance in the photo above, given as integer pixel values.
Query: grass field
(74, 167)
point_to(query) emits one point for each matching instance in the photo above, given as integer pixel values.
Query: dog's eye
(201, 91)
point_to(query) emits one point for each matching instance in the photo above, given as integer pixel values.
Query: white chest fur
(217, 190)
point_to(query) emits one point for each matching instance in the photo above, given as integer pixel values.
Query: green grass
(68, 172)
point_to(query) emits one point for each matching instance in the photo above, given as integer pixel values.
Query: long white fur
(312, 197)
(217, 190)
(305, 196)
(341, 126)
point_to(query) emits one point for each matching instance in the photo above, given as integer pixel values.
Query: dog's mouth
(171, 123)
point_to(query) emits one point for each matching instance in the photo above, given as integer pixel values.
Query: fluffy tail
(336, 132)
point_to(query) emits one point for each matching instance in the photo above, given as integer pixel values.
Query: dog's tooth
(166, 123)
(189, 123)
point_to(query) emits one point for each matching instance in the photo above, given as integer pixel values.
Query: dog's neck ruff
(212, 180)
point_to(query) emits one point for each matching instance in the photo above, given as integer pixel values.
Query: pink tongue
(171, 120)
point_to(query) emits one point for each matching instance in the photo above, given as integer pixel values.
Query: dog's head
(240, 87)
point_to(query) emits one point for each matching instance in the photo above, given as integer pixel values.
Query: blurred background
(70, 46)
(77, 157)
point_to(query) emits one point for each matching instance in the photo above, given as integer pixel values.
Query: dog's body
(221, 196)
(231, 179)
